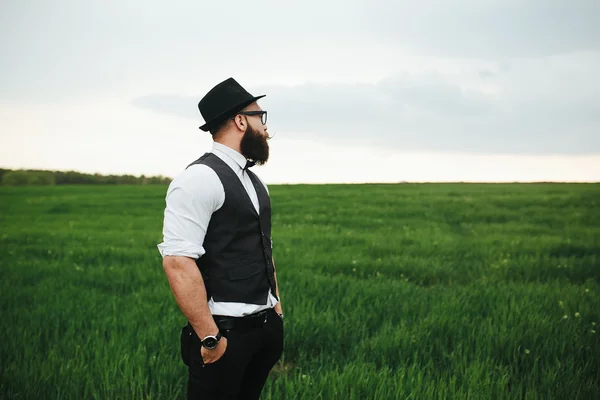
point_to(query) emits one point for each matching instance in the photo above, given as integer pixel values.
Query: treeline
(30, 177)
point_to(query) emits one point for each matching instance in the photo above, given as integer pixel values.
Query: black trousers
(244, 367)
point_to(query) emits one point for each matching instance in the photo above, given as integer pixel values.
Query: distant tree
(2, 172)
(15, 178)
(39, 177)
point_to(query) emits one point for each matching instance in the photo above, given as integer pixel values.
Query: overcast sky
(357, 91)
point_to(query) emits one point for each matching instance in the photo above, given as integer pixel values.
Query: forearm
(189, 291)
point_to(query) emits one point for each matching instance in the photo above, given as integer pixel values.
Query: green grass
(414, 291)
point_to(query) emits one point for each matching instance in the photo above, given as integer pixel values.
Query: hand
(278, 309)
(211, 356)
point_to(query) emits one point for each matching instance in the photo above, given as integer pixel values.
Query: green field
(410, 291)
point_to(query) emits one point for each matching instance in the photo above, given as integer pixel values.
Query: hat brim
(229, 113)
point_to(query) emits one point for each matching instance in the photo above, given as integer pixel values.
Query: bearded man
(217, 253)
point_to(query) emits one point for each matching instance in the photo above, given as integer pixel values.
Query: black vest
(237, 265)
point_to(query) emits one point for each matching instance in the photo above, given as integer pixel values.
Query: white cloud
(72, 49)
(139, 142)
(488, 29)
(516, 76)
(312, 162)
(535, 106)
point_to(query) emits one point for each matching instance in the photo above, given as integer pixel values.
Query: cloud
(491, 29)
(524, 84)
(180, 106)
(54, 52)
(486, 73)
(532, 106)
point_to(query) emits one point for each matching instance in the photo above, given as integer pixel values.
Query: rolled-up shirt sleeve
(193, 196)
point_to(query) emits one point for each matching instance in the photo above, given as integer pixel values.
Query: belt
(255, 320)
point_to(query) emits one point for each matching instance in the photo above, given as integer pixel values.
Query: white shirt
(193, 196)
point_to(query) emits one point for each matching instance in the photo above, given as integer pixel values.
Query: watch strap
(218, 337)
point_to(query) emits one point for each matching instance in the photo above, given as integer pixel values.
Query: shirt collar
(231, 153)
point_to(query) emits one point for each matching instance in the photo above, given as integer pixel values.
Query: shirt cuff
(181, 249)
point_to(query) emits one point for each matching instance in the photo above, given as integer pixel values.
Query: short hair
(218, 128)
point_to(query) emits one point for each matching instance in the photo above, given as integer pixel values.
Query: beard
(254, 146)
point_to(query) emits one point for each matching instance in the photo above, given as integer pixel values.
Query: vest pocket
(245, 272)
(241, 282)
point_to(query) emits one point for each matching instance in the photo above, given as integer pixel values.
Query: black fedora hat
(223, 101)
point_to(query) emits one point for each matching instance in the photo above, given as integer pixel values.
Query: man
(217, 253)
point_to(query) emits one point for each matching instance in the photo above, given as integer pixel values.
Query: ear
(240, 122)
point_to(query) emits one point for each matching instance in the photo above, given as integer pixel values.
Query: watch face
(210, 342)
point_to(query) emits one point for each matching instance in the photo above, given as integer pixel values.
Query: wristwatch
(210, 342)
